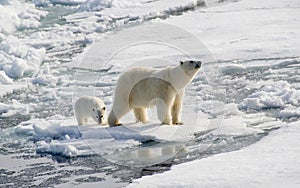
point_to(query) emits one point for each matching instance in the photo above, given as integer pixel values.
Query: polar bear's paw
(178, 123)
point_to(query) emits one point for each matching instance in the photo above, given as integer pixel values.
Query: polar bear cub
(90, 107)
(139, 88)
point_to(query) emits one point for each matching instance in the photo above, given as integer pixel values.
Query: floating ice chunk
(19, 60)
(16, 15)
(45, 80)
(275, 95)
(55, 131)
(15, 108)
(41, 2)
(4, 79)
(289, 112)
(231, 109)
(96, 5)
(57, 148)
(217, 108)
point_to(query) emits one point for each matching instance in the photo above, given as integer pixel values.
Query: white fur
(138, 88)
(90, 107)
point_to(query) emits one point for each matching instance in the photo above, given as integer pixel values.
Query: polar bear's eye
(191, 61)
(93, 109)
(103, 108)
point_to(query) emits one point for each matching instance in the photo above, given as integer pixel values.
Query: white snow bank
(274, 95)
(272, 162)
(15, 15)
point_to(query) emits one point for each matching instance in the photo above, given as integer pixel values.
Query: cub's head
(191, 67)
(99, 112)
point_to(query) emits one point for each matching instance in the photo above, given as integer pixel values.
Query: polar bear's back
(83, 104)
(131, 77)
(86, 100)
(134, 75)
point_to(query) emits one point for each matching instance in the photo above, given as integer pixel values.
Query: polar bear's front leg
(113, 120)
(176, 109)
(80, 121)
(164, 111)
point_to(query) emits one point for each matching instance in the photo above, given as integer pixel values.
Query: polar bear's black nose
(198, 64)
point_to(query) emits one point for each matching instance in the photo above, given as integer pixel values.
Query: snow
(272, 162)
(246, 29)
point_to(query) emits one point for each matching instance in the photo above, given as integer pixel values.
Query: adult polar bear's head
(191, 67)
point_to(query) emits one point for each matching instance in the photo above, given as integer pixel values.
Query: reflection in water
(148, 154)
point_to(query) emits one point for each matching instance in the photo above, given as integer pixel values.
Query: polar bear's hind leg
(140, 114)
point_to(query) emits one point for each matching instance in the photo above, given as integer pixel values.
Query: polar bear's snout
(99, 116)
(196, 63)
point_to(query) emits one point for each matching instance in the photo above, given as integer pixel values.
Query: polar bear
(139, 88)
(86, 107)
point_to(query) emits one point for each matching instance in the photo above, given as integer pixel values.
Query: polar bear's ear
(181, 62)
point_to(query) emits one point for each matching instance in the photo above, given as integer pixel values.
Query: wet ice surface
(48, 169)
(40, 149)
